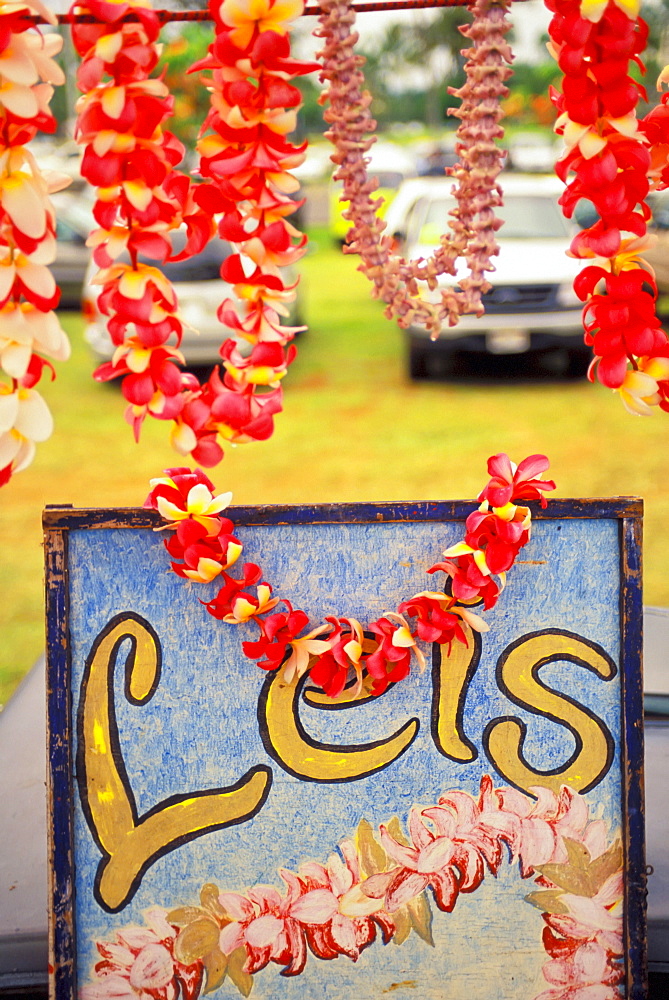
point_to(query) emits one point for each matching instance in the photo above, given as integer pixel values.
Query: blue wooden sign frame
(204, 716)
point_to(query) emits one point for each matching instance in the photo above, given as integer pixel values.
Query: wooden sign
(474, 833)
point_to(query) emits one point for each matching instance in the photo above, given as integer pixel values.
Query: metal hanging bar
(311, 9)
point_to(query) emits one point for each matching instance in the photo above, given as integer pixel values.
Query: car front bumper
(508, 333)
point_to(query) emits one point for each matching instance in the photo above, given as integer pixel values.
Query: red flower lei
(610, 156)
(142, 198)
(246, 159)
(203, 547)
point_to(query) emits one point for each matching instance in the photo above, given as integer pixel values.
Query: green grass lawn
(354, 428)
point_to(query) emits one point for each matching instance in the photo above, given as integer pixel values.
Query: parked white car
(532, 306)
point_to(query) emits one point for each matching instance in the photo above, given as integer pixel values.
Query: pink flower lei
(396, 280)
(203, 547)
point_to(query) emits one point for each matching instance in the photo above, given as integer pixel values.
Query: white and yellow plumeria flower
(24, 419)
(201, 506)
(25, 329)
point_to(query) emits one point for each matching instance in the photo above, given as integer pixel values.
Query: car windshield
(526, 217)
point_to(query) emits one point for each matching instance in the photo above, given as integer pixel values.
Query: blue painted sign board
(475, 832)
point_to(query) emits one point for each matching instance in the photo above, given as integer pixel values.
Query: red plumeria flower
(187, 495)
(198, 555)
(237, 413)
(438, 618)
(391, 660)
(343, 655)
(510, 482)
(278, 632)
(468, 582)
(236, 605)
(494, 538)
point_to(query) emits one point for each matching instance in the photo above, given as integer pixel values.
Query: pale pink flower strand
(473, 228)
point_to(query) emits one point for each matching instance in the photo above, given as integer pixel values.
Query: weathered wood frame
(58, 521)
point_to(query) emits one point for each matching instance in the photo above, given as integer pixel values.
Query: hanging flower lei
(474, 225)
(142, 197)
(610, 154)
(246, 159)
(377, 885)
(29, 328)
(203, 547)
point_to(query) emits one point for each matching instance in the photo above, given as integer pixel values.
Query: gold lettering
(130, 844)
(316, 698)
(289, 744)
(452, 673)
(518, 677)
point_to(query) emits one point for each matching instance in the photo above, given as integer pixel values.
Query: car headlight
(567, 297)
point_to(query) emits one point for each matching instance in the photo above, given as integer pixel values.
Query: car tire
(417, 360)
(578, 362)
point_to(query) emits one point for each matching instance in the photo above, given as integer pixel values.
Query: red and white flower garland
(245, 159)
(30, 331)
(141, 199)
(371, 887)
(611, 157)
(203, 547)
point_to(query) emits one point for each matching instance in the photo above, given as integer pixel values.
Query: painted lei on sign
(375, 885)
(203, 547)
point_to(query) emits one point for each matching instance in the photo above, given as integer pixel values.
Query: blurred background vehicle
(390, 164)
(74, 221)
(532, 306)
(433, 160)
(532, 152)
